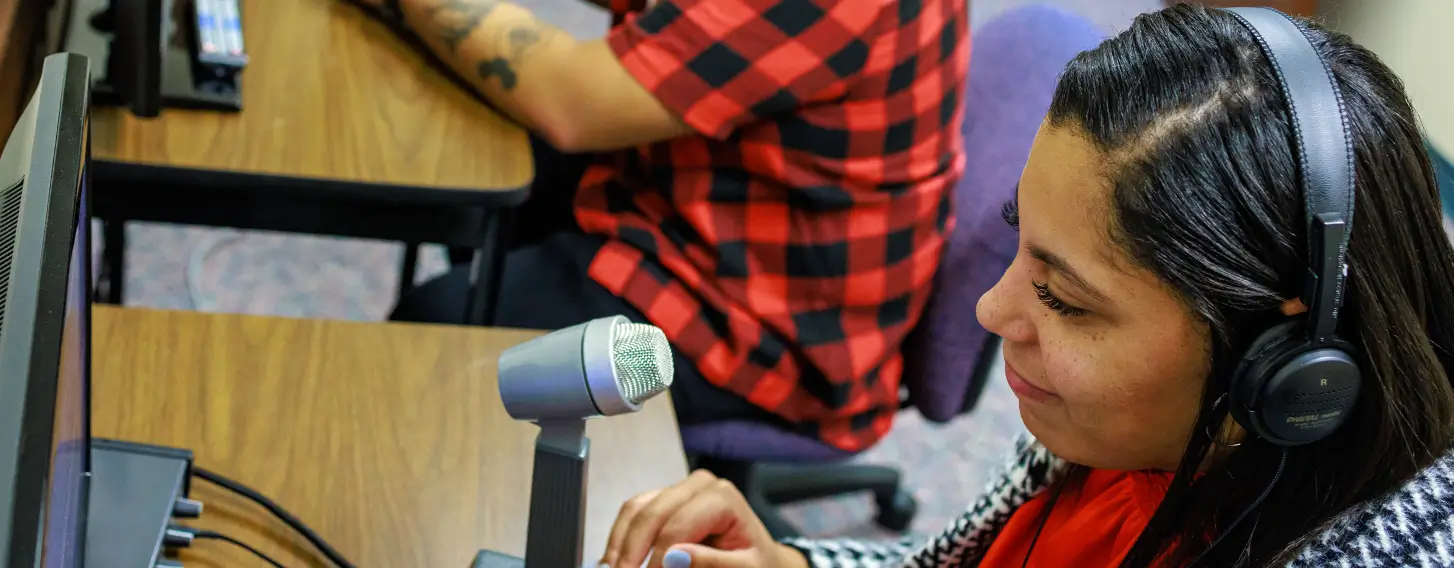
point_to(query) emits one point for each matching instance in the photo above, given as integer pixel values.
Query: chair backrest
(1015, 63)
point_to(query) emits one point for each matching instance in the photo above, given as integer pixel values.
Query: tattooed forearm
(488, 42)
(457, 19)
(498, 68)
(519, 40)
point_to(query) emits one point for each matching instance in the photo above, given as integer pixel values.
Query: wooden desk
(18, 21)
(345, 130)
(330, 94)
(388, 439)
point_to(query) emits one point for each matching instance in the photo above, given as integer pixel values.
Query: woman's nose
(1001, 314)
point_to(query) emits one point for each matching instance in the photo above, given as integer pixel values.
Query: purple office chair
(1017, 58)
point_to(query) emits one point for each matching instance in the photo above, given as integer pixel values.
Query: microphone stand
(556, 532)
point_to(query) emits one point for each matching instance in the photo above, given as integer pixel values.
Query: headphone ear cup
(1258, 364)
(1291, 393)
(1309, 394)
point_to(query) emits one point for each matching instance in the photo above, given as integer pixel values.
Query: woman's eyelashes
(1057, 305)
(1011, 212)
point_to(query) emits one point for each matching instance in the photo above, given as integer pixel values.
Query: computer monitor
(45, 319)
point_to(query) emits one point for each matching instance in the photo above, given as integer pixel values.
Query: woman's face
(1108, 365)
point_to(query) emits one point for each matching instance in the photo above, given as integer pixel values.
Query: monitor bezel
(34, 318)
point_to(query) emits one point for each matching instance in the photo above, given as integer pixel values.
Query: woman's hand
(703, 522)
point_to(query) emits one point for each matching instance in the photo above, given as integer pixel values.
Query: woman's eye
(1042, 291)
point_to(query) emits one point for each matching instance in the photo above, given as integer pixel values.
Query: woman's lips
(1023, 388)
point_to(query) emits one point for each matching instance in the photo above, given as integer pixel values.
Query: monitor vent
(9, 228)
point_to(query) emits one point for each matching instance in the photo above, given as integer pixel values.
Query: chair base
(768, 486)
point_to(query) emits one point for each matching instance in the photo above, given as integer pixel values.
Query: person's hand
(702, 522)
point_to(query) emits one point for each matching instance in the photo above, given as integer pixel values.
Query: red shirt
(790, 246)
(1091, 526)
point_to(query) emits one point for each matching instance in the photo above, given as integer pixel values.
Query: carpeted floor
(265, 273)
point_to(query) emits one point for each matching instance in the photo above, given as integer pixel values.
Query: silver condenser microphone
(603, 367)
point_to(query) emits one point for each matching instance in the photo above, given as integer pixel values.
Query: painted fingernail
(676, 559)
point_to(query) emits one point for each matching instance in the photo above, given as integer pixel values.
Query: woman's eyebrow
(1060, 265)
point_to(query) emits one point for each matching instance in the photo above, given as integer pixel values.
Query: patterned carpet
(266, 273)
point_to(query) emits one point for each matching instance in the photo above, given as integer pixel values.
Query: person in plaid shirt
(768, 181)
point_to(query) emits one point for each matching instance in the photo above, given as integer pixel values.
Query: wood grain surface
(330, 93)
(19, 22)
(388, 439)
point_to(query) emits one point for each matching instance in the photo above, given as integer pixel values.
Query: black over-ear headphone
(1298, 381)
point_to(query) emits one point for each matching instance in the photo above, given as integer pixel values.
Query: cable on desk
(277, 511)
(222, 537)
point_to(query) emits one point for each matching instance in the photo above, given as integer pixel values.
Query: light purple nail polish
(676, 559)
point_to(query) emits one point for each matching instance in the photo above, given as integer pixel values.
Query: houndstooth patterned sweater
(1413, 526)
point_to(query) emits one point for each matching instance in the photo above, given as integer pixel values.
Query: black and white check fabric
(964, 542)
(1412, 526)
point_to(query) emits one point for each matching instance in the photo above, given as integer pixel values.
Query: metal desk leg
(113, 260)
(407, 269)
(460, 255)
(486, 270)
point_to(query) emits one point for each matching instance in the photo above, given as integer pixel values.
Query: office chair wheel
(896, 512)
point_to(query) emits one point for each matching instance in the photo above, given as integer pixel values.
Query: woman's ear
(1294, 307)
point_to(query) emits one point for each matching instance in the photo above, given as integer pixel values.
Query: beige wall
(1416, 39)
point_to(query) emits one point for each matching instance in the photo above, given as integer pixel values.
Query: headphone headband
(1323, 148)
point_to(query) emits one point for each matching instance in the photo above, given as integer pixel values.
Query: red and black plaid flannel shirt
(791, 246)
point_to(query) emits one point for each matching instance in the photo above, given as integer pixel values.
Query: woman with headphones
(1220, 363)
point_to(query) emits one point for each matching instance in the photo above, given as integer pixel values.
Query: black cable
(222, 537)
(1044, 520)
(1258, 501)
(277, 511)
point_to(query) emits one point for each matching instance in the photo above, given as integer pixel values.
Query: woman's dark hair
(1205, 194)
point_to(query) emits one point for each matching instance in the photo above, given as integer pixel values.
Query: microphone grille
(642, 358)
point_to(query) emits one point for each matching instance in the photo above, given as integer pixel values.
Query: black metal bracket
(183, 81)
(557, 527)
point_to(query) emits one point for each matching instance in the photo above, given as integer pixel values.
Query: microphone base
(557, 518)
(557, 526)
(492, 559)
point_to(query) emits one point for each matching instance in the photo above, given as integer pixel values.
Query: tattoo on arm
(457, 19)
(512, 41)
(499, 68)
(521, 39)
(518, 42)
